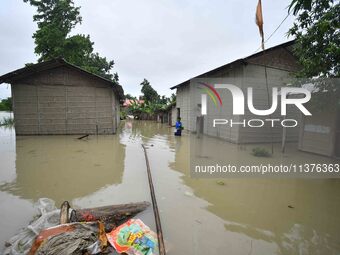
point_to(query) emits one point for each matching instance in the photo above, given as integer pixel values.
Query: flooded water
(199, 216)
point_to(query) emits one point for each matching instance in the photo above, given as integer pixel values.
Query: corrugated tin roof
(236, 62)
(47, 65)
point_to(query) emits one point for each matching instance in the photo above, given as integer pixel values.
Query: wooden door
(337, 136)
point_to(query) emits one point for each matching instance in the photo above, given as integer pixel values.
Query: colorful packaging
(133, 238)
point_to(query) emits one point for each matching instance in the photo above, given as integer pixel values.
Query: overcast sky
(164, 41)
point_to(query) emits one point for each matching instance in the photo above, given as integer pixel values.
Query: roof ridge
(285, 44)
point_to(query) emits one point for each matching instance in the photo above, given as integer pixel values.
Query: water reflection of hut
(63, 168)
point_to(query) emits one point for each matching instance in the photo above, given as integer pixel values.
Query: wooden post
(268, 97)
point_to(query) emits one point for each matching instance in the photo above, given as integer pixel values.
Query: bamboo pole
(161, 245)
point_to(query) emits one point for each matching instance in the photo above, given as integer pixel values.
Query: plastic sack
(133, 238)
(73, 238)
(48, 216)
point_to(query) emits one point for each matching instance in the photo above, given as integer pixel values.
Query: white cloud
(165, 41)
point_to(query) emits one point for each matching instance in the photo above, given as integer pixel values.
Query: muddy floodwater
(199, 216)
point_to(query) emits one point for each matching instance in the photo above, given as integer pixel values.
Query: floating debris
(51, 233)
(132, 238)
(189, 194)
(84, 136)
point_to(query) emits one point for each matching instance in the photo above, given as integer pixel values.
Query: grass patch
(261, 152)
(123, 115)
(7, 122)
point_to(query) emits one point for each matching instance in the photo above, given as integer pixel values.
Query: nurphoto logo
(238, 104)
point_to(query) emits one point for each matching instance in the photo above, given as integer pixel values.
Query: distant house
(129, 102)
(172, 115)
(168, 115)
(56, 97)
(278, 63)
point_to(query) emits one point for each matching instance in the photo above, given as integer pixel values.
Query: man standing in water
(179, 127)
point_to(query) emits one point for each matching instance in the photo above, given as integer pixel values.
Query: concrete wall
(254, 76)
(243, 76)
(318, 133)
(225, 132)
(115, 111)
(183, 98)
(64, 101)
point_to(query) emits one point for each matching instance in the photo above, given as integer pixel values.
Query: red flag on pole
(259, 21)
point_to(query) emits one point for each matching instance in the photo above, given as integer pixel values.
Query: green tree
(56, 19)
(163, 100)
(6, 104)
(317, 47)
(173, 98)
(129, 96)
(317, 34)
(150, 95)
